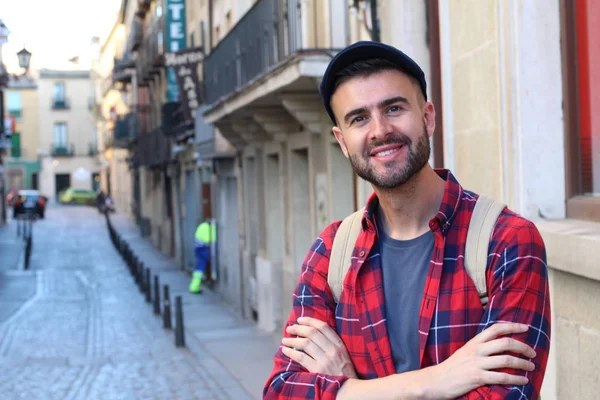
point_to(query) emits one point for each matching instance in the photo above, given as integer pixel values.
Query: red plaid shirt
(451, 312)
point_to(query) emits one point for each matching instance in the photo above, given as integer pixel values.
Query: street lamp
(24, 58)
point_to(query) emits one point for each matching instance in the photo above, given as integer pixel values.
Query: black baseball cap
(366, 50)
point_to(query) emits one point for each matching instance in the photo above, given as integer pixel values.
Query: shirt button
(362, 253)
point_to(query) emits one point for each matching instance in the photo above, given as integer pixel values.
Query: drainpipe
(374, 22)
(210, 27)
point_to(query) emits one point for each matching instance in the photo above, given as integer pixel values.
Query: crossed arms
(506, 359)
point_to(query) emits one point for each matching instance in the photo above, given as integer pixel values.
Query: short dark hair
(365, 68)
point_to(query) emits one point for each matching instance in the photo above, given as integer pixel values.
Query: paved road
(76, 327)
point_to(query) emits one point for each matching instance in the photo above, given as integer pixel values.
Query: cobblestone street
(75, 326)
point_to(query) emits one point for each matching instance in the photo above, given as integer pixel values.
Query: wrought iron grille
(270, 32)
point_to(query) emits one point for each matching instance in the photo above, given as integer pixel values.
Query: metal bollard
(156, 296)
(135, 271)
(179, 334)
(141, 280)
(148, 287)
(167, 308)
(133, 265)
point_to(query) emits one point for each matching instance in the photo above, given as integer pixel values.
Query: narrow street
(75, 326)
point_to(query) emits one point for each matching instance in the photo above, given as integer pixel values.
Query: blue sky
(55, 30)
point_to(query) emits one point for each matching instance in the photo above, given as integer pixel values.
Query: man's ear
(340, 139)
(429, 118)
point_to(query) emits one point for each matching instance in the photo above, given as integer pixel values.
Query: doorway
(190, 220)
(35, 181)
(62, 182)
(95, 181)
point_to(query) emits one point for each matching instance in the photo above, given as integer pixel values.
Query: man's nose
(382, 127)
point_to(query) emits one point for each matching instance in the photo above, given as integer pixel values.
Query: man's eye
(394, 109)
(357, 119)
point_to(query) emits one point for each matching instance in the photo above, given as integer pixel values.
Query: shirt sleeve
(517, 281)
(312, 298)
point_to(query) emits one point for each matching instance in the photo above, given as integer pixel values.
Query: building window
(580, 56)
(60, 134)
(59, 100)
(13, 105)
(59, 92)
(192, 41)
(160, 43)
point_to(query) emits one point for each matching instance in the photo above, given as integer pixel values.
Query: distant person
(100, 200)
(12, 196)
(205, 236)
(109, 204)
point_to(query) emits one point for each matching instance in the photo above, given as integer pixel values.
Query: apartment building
(21, 105)
(112, 70)
(67, 132)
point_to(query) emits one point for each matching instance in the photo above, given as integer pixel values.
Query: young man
(409, 322)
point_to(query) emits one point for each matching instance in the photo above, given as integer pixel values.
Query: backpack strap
(483, 220)
(341, 252)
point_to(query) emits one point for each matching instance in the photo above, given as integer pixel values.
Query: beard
(394, 175)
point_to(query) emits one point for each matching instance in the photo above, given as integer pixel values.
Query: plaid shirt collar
(444, 217)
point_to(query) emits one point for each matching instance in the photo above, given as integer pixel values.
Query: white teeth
(387, 152)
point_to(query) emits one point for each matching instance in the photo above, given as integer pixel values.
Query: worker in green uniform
(205, 236)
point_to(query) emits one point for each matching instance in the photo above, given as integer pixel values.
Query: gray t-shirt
(404, 265)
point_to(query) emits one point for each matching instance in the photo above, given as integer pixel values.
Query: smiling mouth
(388, 152)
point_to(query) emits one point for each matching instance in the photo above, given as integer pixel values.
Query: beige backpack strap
(483, 220)
(341, 252)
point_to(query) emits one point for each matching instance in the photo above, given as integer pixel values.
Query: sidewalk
(211, 328)
(11, 246)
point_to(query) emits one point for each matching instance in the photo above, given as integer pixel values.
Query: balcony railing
(60, 104)
(153, 149)
(106, 84)
(121, 68)
(136, 34)
(62, 150)
(125, 131)
(92, 149)
(270, 32)
(150, 53)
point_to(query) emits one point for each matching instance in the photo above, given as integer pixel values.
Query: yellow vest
(206, 232)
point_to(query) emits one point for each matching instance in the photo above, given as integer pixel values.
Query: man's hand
(318, 348)
(473, 365)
